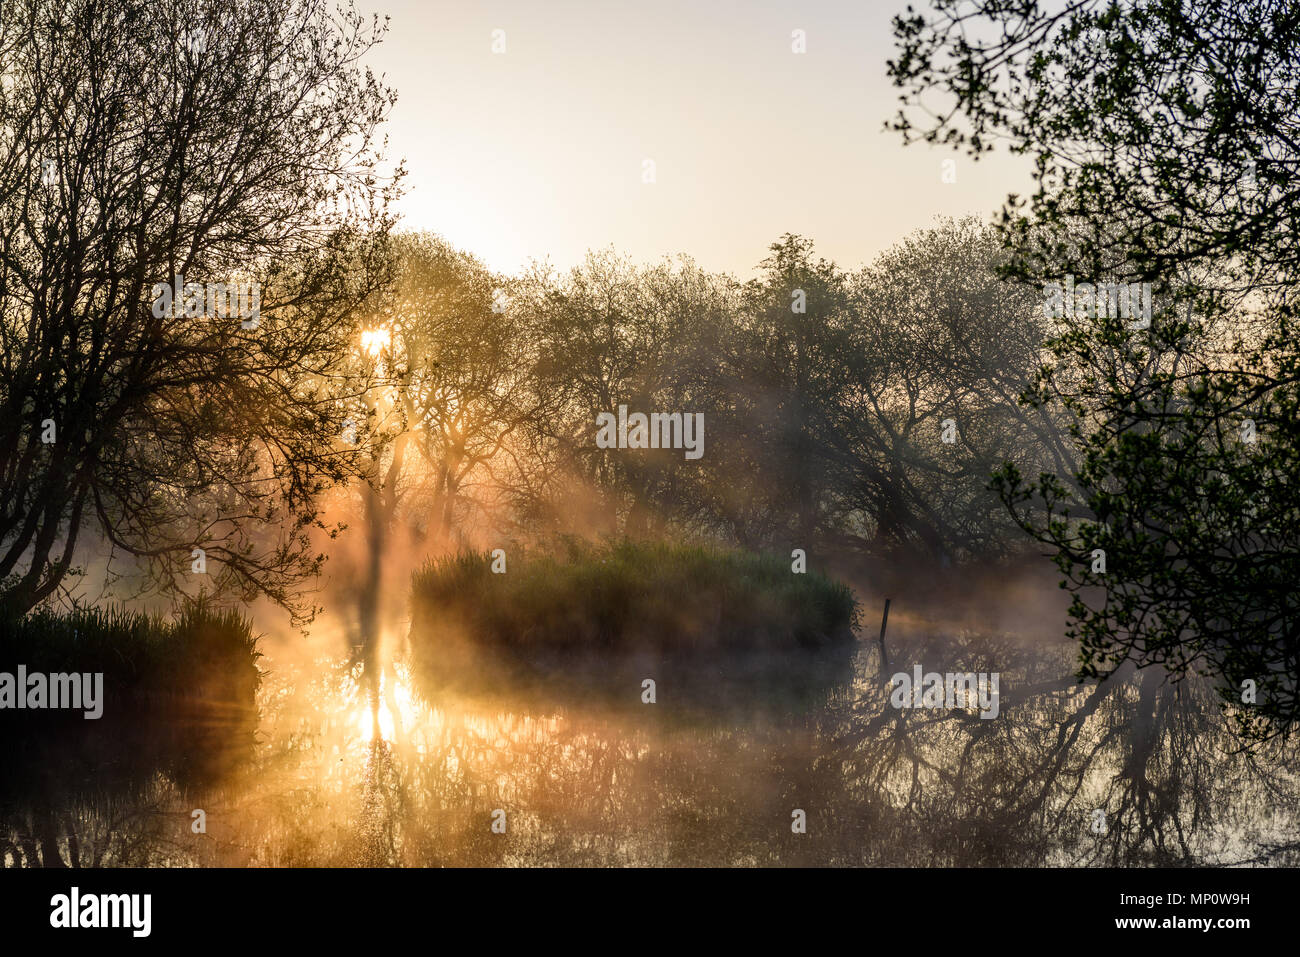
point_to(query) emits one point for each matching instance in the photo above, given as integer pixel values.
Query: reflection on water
(1133, 771)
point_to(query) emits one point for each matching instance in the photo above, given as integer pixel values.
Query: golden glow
(375, 341)
(679, 83)
(397, 708)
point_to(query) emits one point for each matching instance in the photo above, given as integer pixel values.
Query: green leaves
(1165, 148)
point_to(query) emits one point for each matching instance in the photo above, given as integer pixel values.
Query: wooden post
(884, 658)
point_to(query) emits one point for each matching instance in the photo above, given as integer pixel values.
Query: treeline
(852, 411)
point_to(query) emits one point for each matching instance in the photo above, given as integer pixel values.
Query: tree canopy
(1164, 139)
(146, 143)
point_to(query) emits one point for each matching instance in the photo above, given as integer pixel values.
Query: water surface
(1134, 771)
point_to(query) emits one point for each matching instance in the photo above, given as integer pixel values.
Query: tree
(151, 142)
(463, 361)
(1165, 155)
(610, 333)
(865, 410)
(929, 377)
(784, 342)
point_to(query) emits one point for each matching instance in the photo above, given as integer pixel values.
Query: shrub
(596, 607)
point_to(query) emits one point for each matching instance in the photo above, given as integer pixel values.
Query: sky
(540, 151)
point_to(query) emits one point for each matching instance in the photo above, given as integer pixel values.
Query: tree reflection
(1132, 771)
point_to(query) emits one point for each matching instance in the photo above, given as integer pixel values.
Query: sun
(375, 341)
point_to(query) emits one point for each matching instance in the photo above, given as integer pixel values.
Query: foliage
(179, 696)
(1165, 155)
(624, 599)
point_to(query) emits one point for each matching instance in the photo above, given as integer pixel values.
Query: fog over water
(1133, 771)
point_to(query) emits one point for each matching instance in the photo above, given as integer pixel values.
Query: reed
(180, 697)
(589, 604)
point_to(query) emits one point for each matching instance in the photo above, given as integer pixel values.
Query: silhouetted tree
(144, 140)
(1165, 155)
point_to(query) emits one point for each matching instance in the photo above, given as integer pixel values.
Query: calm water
(1134, 771)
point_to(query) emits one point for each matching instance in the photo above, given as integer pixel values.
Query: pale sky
(539, 152)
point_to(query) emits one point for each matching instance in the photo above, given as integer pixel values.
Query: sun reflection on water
(396, 709)
(416, 782)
